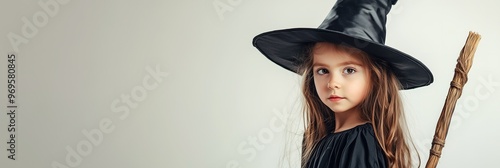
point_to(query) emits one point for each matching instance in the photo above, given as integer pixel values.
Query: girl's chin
(341, 110)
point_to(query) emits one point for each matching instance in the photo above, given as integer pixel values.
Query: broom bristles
(464, 63)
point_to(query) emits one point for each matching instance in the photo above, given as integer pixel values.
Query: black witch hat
(356, 23)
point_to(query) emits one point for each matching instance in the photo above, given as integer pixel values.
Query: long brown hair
(382, 108)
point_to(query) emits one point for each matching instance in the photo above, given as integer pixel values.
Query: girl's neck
(348, 119)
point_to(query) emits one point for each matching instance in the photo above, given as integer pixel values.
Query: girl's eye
(349, 70)
(321, 71)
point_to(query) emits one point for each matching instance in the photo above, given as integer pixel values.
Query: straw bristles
(464, 63)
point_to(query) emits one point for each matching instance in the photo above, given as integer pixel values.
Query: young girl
(353, 112)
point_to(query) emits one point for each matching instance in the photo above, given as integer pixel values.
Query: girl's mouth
(335, 98)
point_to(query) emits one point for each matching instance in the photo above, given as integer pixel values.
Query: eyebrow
(315, 64)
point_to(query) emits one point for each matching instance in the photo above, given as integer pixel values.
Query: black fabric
(353, 148)
(355, 23)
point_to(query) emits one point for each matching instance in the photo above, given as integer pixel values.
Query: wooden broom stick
(459, 79)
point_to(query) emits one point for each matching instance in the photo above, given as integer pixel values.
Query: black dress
(353, 148)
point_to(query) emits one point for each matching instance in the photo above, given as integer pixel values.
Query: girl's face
(341, 78)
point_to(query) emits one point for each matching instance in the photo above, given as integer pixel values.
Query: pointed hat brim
(283, 47)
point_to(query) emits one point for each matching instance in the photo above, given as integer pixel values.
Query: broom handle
(463, 66)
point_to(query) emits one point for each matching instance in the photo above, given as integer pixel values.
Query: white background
(220, 95)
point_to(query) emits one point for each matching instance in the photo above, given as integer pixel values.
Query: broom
(459, 79)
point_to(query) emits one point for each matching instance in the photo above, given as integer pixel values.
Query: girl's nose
(333, 84)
